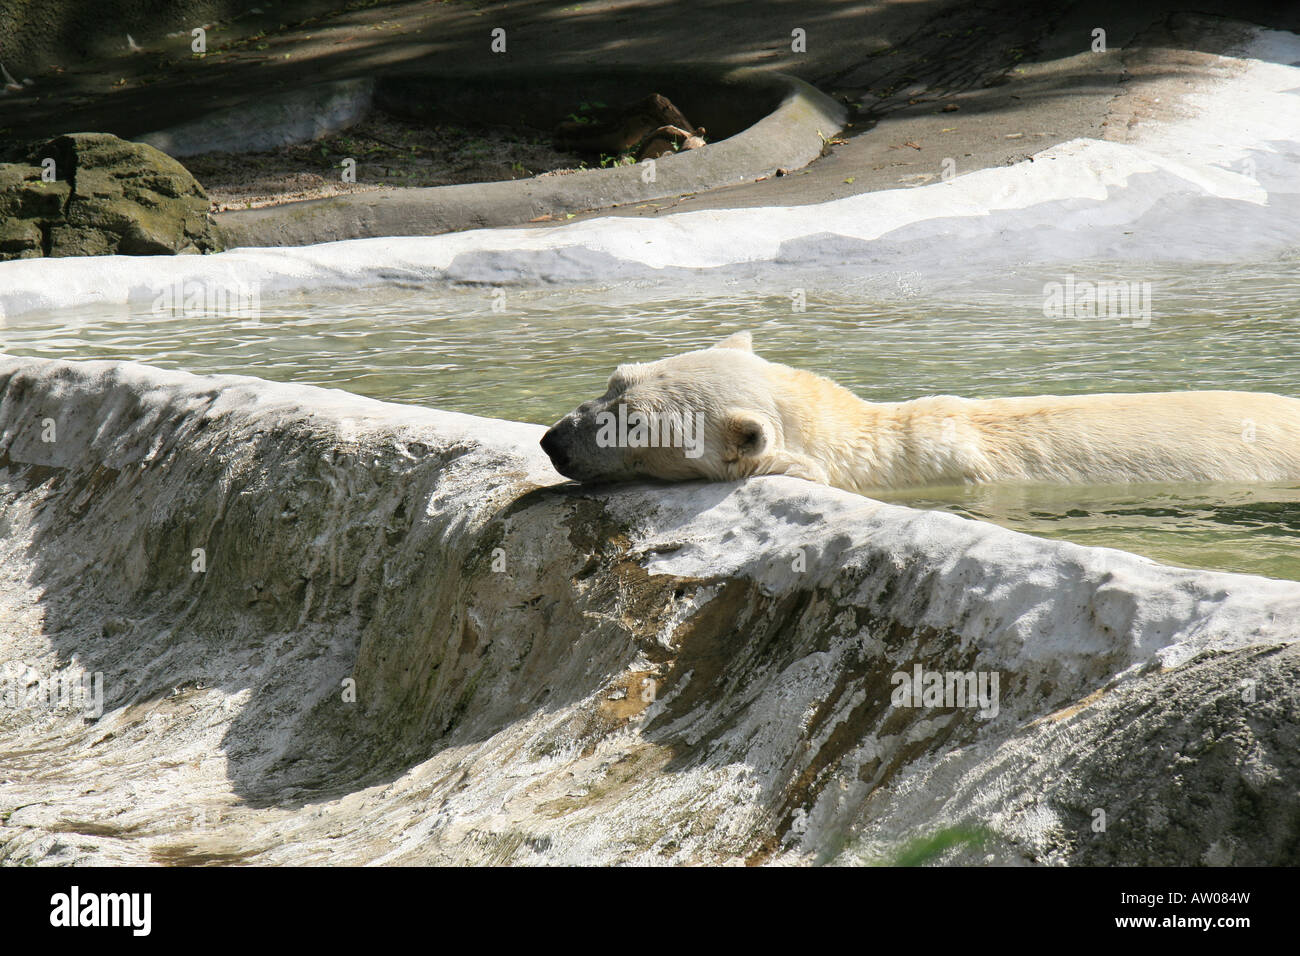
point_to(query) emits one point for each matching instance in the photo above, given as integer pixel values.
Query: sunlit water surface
(887, 338)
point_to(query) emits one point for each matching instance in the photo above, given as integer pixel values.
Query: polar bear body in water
(724, 413)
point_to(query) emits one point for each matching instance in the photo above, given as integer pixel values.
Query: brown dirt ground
(388, 152)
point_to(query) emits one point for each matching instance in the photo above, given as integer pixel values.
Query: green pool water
(887, 338)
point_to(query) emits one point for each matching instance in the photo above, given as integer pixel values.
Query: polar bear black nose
(551, 445)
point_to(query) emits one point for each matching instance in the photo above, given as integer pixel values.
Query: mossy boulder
(20, 239)
(107, 196)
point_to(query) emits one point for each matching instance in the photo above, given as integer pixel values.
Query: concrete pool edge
(721, 641)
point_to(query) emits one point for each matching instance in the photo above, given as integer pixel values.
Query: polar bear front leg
(794, 465)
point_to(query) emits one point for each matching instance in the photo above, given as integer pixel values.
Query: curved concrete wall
(758, 122)
(550, 674)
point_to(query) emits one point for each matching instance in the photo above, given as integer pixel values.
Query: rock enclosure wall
(92, 194)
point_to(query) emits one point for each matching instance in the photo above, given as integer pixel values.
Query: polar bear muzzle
(575, 453)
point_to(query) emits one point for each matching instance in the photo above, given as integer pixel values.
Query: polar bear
(724, 413)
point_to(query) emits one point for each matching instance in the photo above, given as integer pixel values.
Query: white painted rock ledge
(647, 679)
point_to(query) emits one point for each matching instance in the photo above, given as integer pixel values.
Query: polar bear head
(714, 414)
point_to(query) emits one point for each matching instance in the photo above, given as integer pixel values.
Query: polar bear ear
(740, 341)
(743, 436)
